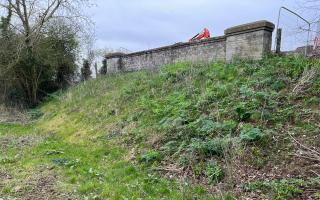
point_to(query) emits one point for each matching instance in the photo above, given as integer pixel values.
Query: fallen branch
(169, 169)
(306, 152)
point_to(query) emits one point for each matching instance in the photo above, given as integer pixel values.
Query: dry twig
(309, 153)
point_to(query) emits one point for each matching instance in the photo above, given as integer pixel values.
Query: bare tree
(310, 8)
(29, 19)
(31, 16)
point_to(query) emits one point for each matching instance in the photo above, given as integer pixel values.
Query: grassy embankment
(250, 129)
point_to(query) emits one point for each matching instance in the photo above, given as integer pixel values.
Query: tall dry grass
(13, 115)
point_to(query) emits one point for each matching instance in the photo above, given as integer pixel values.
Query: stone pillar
(249, 41)
(114, 62)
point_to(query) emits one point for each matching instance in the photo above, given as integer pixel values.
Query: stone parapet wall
(248, 41)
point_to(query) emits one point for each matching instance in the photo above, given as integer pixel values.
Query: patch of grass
(99, 170)
(14, 129)
(9, 160)
(282, 189)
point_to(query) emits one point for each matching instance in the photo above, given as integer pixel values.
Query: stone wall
(250, 41)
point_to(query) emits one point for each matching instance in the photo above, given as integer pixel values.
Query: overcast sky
(143, 24)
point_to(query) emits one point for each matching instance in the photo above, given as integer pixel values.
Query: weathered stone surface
(202, 51)
(254, 26)
(114, 55)
(251, 45)
(114, 64)
(250, 41)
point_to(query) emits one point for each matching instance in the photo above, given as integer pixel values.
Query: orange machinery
(200, 36)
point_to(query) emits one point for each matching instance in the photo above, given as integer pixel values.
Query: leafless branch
(306, 152)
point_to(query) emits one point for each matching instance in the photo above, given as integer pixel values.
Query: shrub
(250, 133)
(203, 125)
(86, 71)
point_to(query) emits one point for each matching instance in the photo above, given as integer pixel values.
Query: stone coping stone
(164, 48)
(244, 28)
(115, 55)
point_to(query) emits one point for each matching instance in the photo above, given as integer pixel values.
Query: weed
(243, 113)
(278, 85)
(249, 133)
(205, 149)
(169, 147)
(214, 173)
(151, 156)
(66, 162)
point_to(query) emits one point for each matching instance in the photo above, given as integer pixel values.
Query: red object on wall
(200, 36)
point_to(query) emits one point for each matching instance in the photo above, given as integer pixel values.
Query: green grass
(168, 134)
(16, 129)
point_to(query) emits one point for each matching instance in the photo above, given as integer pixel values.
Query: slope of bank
(248, 129)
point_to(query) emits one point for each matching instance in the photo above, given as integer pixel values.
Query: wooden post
(278, 41)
